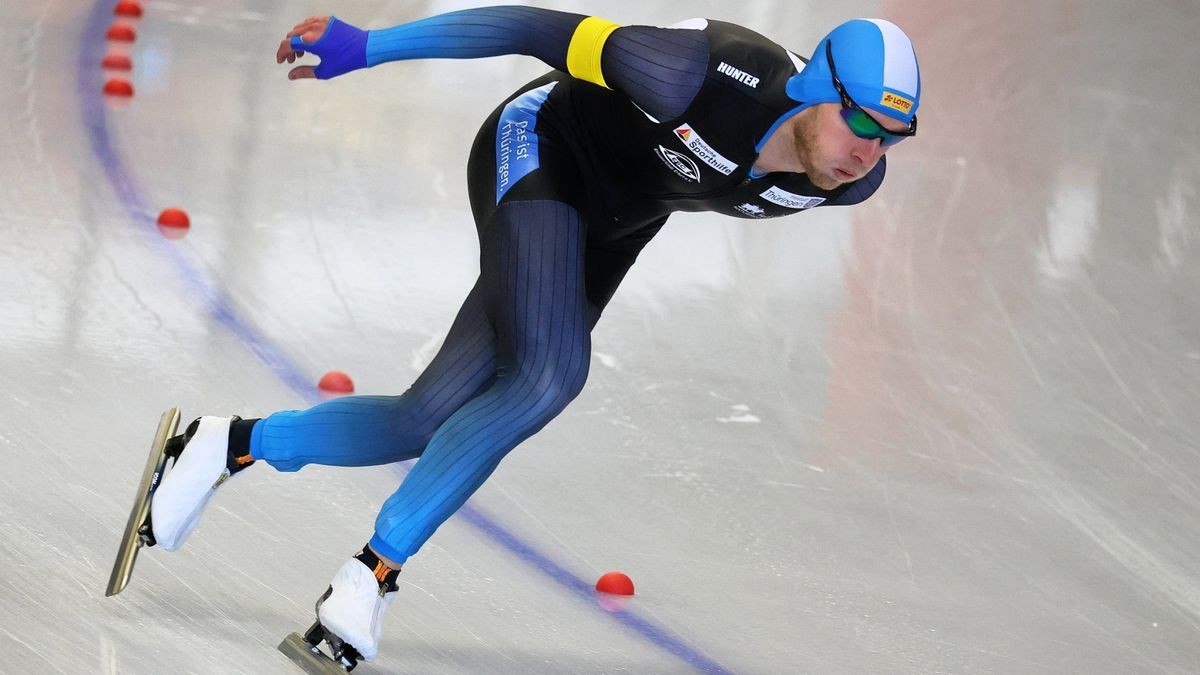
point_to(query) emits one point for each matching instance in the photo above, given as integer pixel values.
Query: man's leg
(352, 431)
(370, 430)
(533, 281)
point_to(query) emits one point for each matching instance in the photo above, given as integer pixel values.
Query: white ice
(952, 430)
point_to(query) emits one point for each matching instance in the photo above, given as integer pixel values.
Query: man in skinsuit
(568, 179)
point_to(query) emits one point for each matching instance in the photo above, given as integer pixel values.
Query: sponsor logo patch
(751, 210)
(679, 163)
(517, 140)
(703, 150)
(790, 200)
(896, 102)
(739, 75)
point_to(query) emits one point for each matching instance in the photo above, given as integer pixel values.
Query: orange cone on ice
(336, 382)
(121, 32)
(118, 87)
(115, 61)
(615, 583)
(173, 223)
(128, 8)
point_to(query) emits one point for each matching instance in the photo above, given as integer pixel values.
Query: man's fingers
(301, 29)
(308, 35)
(310, 30)
(313, 20)
(314, 25)
(302, 73)
(310, 21)
(285, 53)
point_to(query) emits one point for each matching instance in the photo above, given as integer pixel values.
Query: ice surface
(952, 430)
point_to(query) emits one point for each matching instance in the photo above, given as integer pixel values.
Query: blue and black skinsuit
(568, 179)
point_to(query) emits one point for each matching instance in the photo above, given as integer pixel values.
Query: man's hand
(341, 46)
(310, 30)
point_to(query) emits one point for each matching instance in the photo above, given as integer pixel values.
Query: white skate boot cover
(179, 501)
(354, 610)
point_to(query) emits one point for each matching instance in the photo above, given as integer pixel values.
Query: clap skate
(305, 650)
(349, 618)
(169, 503)
(138, 532)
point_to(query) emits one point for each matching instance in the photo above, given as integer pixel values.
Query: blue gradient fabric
(658, 69)
(517, 354)
(477, 33)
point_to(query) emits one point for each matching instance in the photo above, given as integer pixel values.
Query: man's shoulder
(746, 72)
(739, 45)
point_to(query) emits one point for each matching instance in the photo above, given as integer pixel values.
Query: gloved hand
(341, 46)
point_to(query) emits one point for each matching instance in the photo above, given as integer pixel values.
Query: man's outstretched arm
(659, 69)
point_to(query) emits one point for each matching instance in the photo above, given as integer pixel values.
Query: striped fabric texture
(517, 354)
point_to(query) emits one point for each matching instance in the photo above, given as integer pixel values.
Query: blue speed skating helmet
(876, 64)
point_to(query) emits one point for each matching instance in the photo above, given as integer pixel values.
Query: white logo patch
(739, 75)
(790, 200)
(703, 150)
(751, 210)
(679, 163)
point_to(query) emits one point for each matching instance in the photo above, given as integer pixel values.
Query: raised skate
(170, 501)
(138, 532)
(201, 465)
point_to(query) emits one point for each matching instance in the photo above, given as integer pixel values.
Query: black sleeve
(659, 69)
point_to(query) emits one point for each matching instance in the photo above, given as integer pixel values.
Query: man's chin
(825, 182)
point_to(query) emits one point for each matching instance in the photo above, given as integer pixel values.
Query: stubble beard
(806, 145)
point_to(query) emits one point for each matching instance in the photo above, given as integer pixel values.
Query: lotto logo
(896, 102)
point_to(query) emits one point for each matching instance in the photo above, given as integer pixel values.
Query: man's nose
(868, 151)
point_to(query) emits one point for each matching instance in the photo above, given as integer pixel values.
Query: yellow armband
(583, 54)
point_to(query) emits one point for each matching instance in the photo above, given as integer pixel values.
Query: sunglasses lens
(861, 123)
(864, 126)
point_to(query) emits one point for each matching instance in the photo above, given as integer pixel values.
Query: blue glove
(342, 48)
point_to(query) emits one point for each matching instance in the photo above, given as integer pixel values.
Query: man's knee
(551, 387)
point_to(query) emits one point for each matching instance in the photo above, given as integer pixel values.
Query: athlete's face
(830, 152)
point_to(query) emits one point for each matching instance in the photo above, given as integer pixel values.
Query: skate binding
(171, 450)
(305, 650)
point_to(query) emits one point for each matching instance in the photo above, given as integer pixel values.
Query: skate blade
(151, 476)
(311, 659)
